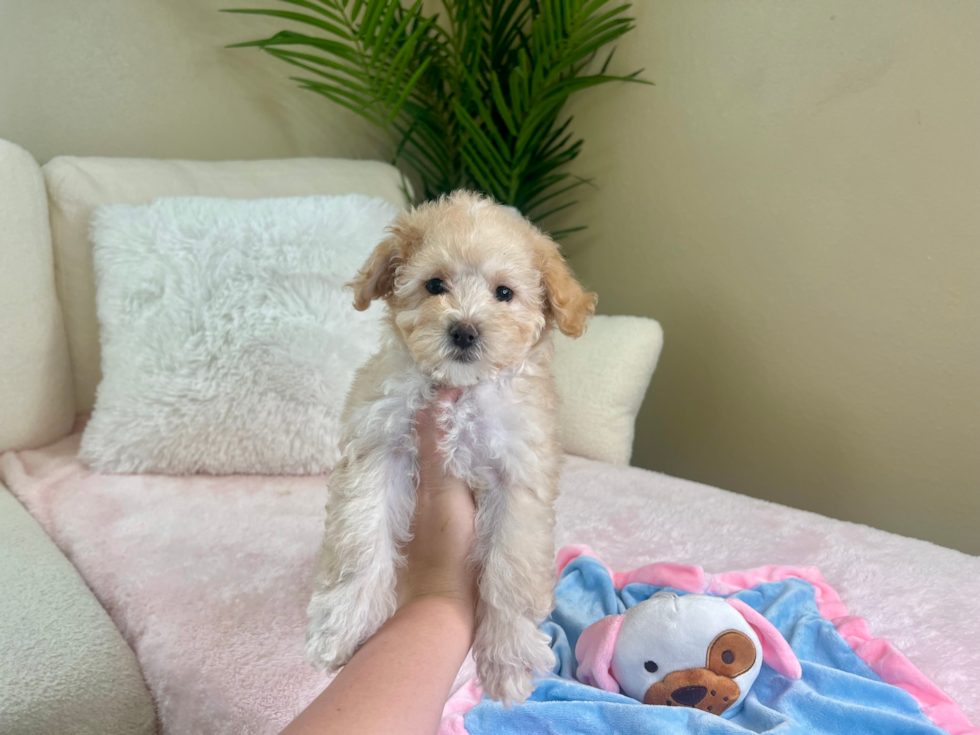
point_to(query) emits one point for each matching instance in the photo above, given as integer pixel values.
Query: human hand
(443, 530)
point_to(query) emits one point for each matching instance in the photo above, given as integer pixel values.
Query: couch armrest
(37, 403)
(64, 666)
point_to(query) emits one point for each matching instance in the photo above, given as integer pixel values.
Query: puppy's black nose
(464, 335)
(689, 696)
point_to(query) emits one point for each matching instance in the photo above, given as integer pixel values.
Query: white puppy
(472, 292)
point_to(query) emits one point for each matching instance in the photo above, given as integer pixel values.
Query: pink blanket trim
(880, 655)
(465, 699)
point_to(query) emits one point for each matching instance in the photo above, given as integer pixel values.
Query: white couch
(65, 666)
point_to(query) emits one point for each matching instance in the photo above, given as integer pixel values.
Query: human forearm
(399, 679)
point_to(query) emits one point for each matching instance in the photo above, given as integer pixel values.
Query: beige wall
(797, 200)
(152, 78)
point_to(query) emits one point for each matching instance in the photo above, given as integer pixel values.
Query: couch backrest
(50, 361)
(77, 186)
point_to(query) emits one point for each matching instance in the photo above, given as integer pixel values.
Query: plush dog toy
(688, 651)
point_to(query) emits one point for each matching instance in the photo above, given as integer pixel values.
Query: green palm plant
(471, 99)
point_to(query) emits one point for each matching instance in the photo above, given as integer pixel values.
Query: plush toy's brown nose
(464, 335)
(699, 688)
(689, 696)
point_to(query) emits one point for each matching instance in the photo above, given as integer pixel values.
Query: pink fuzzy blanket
(207, 578)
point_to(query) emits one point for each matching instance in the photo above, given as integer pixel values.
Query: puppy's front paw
(506, 667)
(326, 646)
(506, 683)
(333, 632)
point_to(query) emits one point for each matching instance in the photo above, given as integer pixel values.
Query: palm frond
(472, 101)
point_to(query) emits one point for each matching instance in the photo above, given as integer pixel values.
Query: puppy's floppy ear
(376, 279)
(569, 303)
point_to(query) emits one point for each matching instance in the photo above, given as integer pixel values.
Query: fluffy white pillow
(79, 185)
(602, 378)
(228, 345)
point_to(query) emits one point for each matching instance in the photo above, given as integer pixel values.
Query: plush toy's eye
(434, 286)
(730, 654)
(651, 666)
(503, 294)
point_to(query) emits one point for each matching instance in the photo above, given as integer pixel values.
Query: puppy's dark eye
(503, 294)
(434, 286)
(651, 666)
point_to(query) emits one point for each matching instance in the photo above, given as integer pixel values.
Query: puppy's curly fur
(459, 261)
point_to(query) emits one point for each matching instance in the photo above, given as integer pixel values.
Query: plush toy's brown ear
(376, 278)
(569, 304)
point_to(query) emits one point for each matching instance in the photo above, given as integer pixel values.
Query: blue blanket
(837, 695)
